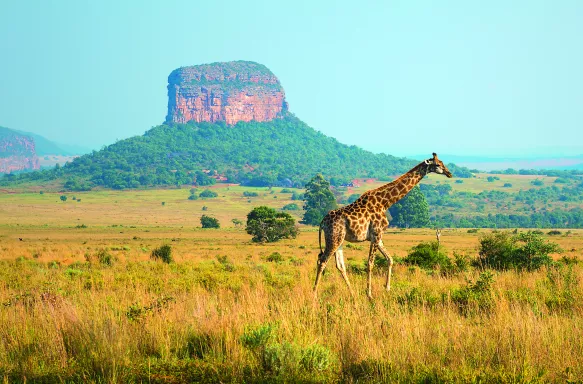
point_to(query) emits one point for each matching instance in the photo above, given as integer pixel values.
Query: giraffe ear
(427, 162)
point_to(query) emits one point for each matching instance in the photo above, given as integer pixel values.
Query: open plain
(81, 300)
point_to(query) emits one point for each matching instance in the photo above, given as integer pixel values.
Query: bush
(475, 297)
(63, 198)
(554, 232)
(522, 251)
(209, 222)
(291, 207)
(473, 230)
(103, 257)
(426, 255)
(250, 194)
(208, 194)
(297, 196)
(267, 225)
(275, 257)
(163, 253)
(537, 183)
(507, 185)
(287, 361)
(193, 197)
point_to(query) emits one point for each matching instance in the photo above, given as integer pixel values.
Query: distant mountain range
(24, 151)
(45, 146)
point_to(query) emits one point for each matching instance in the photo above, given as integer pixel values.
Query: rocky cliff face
(231, 92)
(17, 152)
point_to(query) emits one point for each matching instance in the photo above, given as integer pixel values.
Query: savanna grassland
(81, 300)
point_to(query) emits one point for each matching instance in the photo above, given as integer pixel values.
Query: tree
(268, 225)
(412, 211)
(63, 198)
(319, 200)
(209, 222)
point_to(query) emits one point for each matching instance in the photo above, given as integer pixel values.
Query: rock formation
(17, 152)
(231, 92)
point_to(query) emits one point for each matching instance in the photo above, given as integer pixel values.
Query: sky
(496, 78)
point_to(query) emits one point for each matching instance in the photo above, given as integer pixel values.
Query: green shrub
(226, 263)
(473, 230)
(275, 257)
(105, 258)
(522, 251)
(256, 338)
(427, 255)
(209, 222)
(163, 253)
(193, 197)
(461, 262)
(317, 358)
(554, 232)
(507, 185)
(475, 297)
(291, 207)
(250, 194)
(417, 298)
(208, 194)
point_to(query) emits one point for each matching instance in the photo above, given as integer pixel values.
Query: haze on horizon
(400, 77)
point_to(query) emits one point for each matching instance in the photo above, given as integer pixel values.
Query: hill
(283, 151)
(225, 121)
(17, 152)
(45, 146)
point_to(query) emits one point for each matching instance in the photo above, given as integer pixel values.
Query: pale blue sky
(400, 77)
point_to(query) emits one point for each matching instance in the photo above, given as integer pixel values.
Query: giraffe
(438, 236)
(365, 219)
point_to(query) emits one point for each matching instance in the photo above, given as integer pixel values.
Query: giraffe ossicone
(365, 219)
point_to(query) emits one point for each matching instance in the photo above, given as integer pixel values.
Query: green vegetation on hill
(280, 152)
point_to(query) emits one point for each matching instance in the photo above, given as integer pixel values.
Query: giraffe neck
(392, 192)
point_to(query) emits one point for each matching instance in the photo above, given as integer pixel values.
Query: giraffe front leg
(370, 265)
(342, 268)
(386, 254)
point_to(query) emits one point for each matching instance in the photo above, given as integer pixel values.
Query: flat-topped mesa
(231, 92)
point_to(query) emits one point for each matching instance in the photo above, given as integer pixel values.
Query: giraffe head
(436, 166)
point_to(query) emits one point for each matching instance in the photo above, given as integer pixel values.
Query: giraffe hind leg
(322, 261)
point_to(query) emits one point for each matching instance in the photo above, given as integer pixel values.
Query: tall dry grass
(211, 318)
